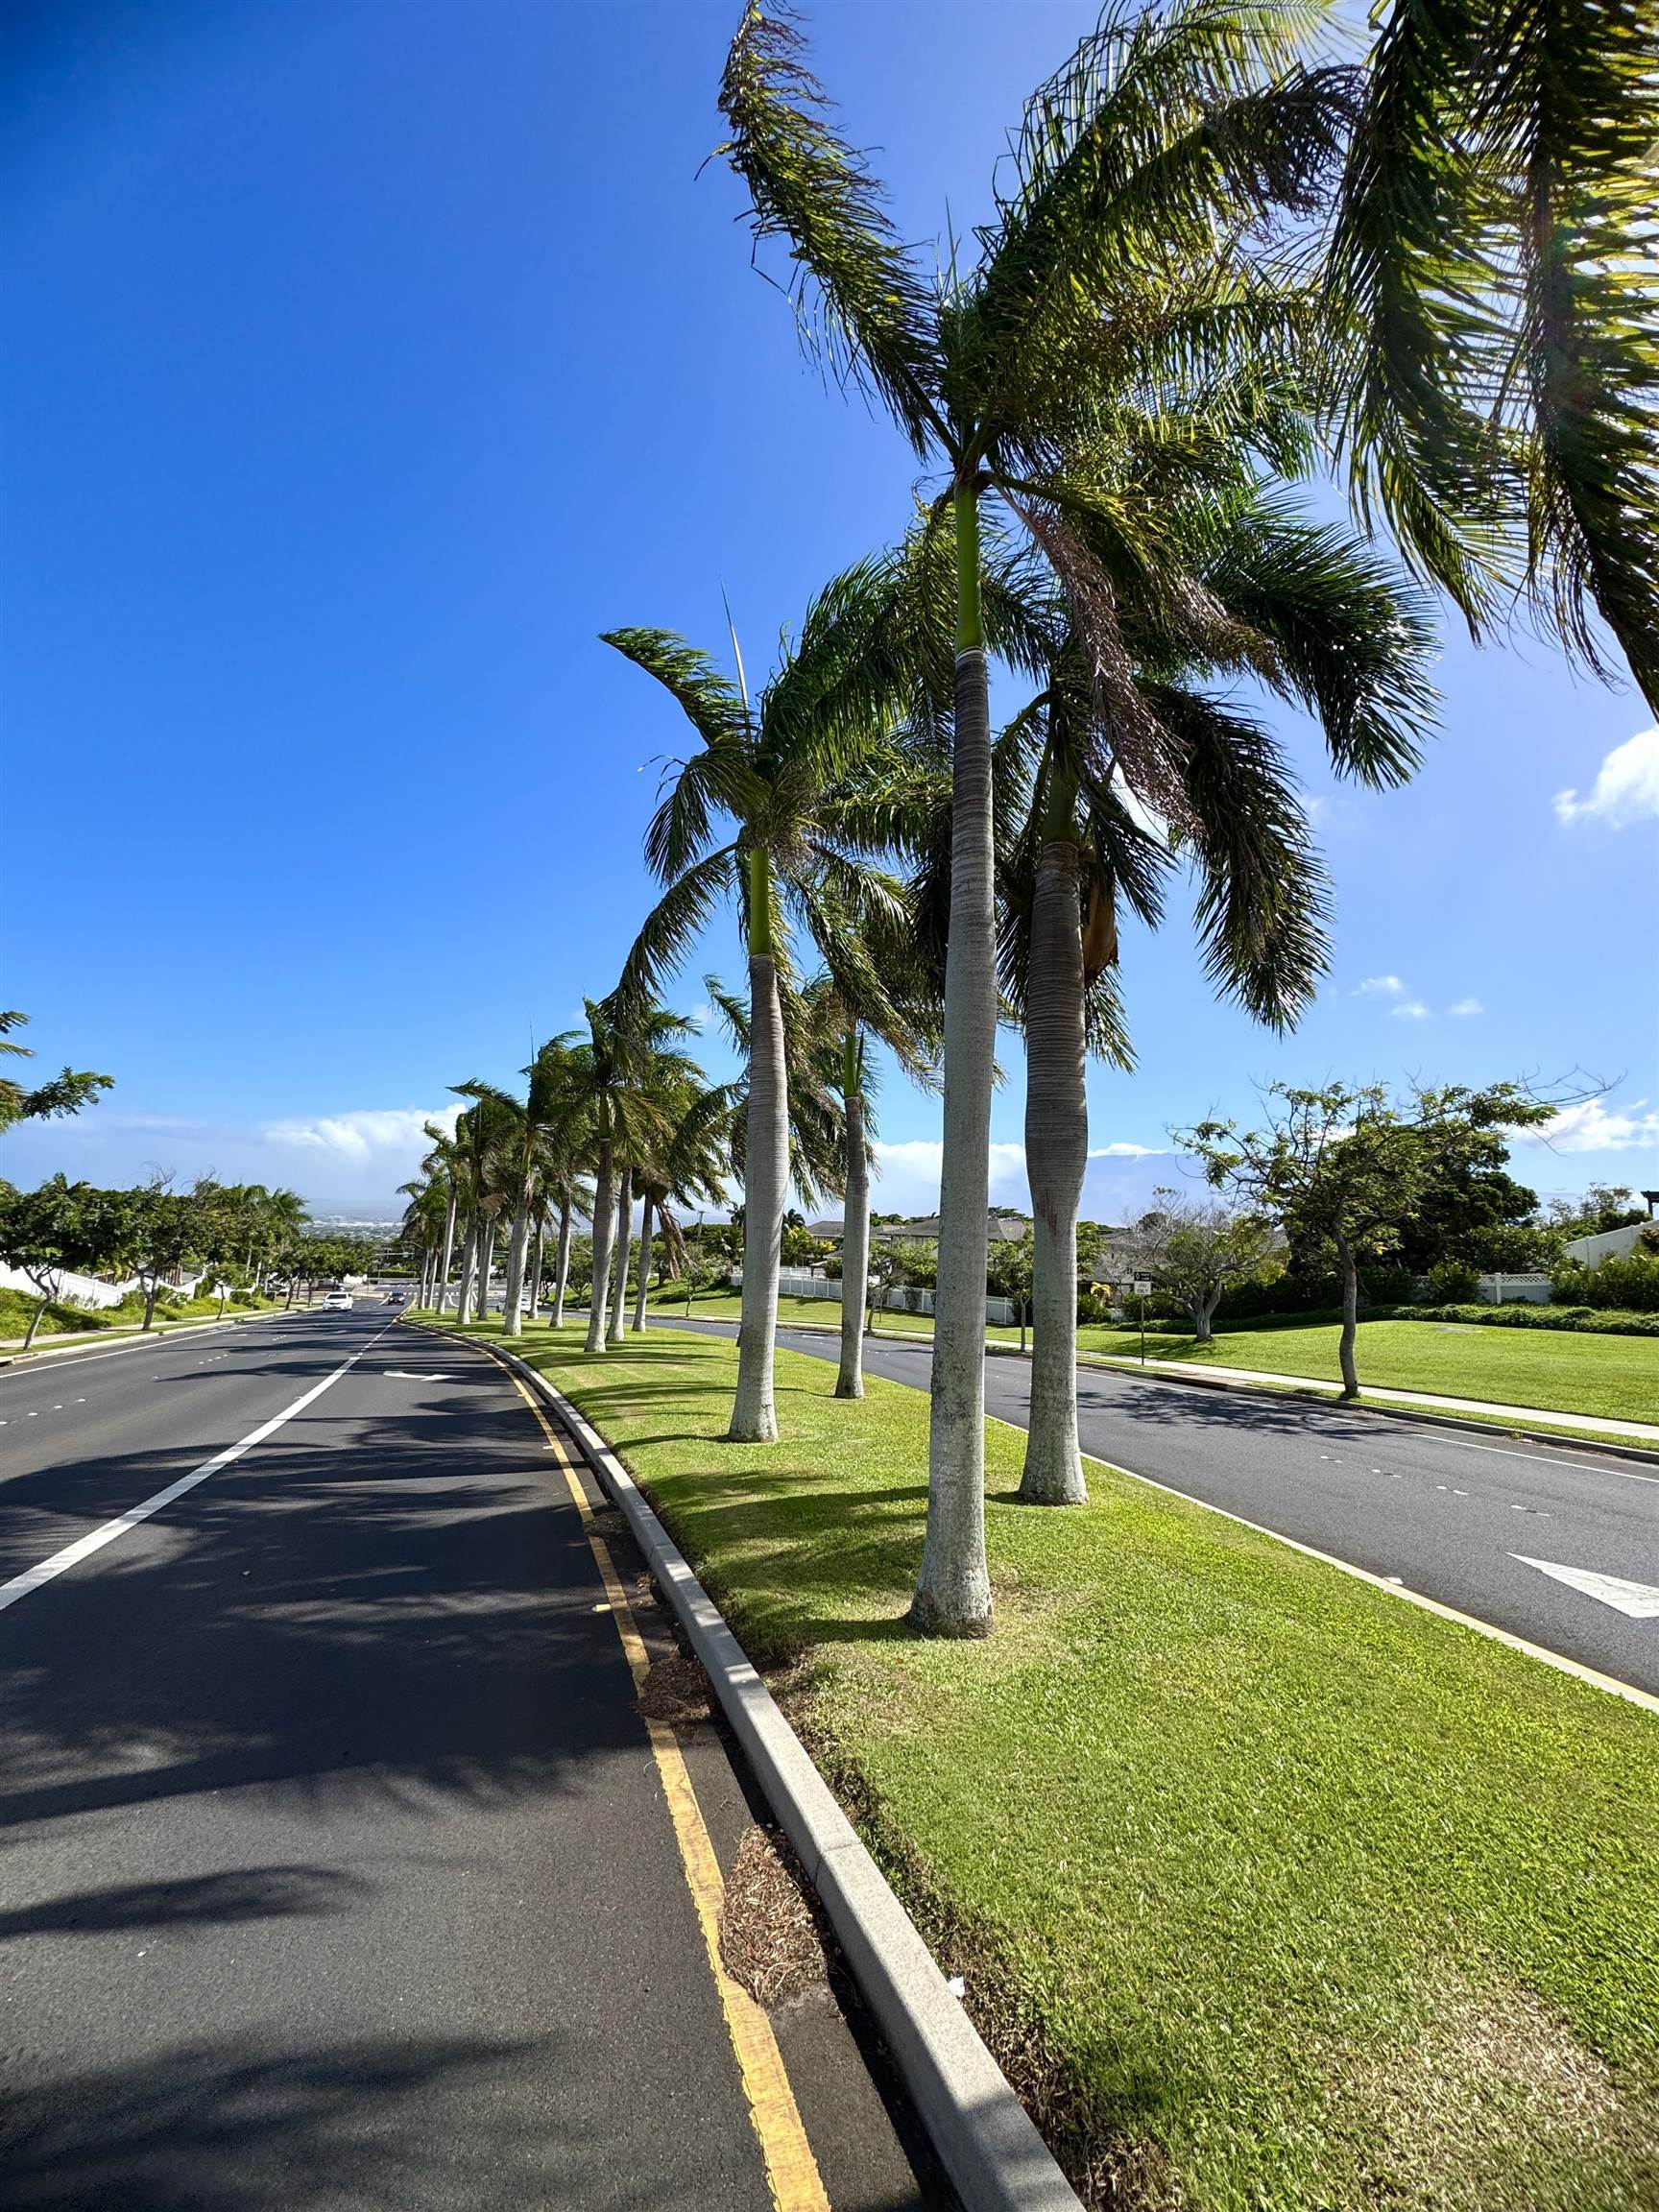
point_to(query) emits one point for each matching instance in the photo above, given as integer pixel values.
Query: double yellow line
(791, 2169)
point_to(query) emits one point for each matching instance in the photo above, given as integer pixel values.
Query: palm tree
(617, 1075)
(482, 1170)
(525, 1132)
(684, 1169)
(1311, 613)
(442, 1167)
(1494, 255)
(1128, 240)
(777, 770)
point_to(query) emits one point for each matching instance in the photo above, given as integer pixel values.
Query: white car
(337, 1302)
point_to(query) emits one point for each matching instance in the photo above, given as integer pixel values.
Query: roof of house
(1001, 1228)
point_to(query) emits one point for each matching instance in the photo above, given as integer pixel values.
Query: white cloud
(1590, 1127)
(1466, 1006)
(1128, 1151)
(910, 1170)
(1626, 786)
(1378, 987)
(372, 1135)
(1409, 1010)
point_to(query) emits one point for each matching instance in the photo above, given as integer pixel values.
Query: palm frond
(671, 928)
(1263, 901)
(1168, 135)
(861, 302)
(1346, 636)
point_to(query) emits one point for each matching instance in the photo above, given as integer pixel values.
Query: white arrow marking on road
(403, 1375)
(1638, 1599)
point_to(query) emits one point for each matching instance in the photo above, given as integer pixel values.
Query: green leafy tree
(1343, 1171)
(1013, 1274)
(1125, 247)
(65, 1093)
(47, 1232)
(1194, 1252)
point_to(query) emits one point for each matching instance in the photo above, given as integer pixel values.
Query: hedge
(1598, 1320)
(1632, 1283)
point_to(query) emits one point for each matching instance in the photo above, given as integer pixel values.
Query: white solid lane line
(32, 1578)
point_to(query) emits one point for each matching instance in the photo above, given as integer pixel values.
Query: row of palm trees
(1203, 243)
(616, 1116)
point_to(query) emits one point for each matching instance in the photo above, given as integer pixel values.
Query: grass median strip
(1268, 1890)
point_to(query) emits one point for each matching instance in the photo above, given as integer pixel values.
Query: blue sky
(364, 361)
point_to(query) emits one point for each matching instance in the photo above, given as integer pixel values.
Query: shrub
(1631, 1284)
(1093, 1306)
(1452, 1282)
(1590, 1319)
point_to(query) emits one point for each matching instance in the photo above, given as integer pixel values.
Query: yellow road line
(791, 2169)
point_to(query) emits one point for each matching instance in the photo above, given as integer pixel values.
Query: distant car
(338, 1302)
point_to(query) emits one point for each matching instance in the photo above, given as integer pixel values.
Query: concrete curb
(115, 1340)
(985, 2140)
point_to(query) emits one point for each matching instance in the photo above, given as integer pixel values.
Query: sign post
(1143, 1292)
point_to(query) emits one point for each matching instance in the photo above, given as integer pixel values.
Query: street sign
(1142, 1289)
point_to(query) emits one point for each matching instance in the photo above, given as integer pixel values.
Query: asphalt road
(338, 1871)
(1451, 1516)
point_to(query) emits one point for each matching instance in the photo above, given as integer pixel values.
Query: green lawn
(1562, 1371)
(1273, 1893)
(1558, 1371)
(728, 1306)
(16, 1307)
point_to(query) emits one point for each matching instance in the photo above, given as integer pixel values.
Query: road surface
(1453, 1516)
(339, 1868)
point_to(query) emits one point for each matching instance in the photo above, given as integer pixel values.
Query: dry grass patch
(676, 1691)
(769, 1933)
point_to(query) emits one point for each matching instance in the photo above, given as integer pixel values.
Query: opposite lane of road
(1449, 1516)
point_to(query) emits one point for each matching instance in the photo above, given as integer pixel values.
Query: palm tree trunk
(953, 1585)
(765, 1175)
(604, 1230)
(469, 1257)
(854, 1239)
(562, 1266)
(536, 1259)
(1056, 1157)
(624, 1240)
(644, 1264)
(1350, 1317)
(517, 1246)
(486, 1261)
(448, 1249)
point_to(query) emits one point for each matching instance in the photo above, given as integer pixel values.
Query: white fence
(74, 1289)
(77, 1289)
(1499, 1289)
